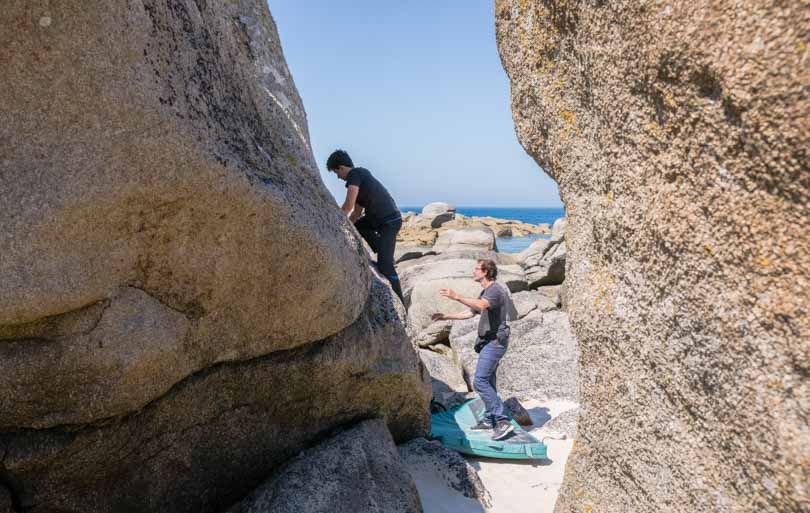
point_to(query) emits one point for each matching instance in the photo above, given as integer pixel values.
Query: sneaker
(503, 428)
(483, 425)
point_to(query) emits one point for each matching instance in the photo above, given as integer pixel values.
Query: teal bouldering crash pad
(452, 429)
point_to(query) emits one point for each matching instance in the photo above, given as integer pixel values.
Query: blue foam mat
(452, 429)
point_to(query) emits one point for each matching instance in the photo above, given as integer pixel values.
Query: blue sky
(415, 92)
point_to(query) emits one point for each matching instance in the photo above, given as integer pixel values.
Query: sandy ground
(514, 486)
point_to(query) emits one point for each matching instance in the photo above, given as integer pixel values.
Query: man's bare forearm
(458, 316)
(476, 304)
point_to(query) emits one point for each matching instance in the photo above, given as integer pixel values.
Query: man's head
(485, 270)
(340, 163)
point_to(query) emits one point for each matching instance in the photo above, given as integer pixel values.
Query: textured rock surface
(565, 422)
(678, 133)
(446, 375)
(405, 253)
(465, 239)
(218, 433)
(182, 306)
(548, 269)
(357, 471)
(161, 148)
(541, 361)
(436, 208)
(437, 332)
(432, 465)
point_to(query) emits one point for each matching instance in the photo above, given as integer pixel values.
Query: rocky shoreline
(425, 228)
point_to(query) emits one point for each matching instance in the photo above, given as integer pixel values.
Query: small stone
(45, 21)
(518, 412)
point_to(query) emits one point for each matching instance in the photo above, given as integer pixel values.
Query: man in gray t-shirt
(494, 305)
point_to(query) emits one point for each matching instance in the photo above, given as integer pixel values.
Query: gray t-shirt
(492, 323)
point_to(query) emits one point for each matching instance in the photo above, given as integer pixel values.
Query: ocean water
(527, 215)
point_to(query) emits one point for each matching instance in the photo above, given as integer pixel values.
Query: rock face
(445, 375)
(357, 471)
(481, 239)
(540, 363)
(434, 209)
(678, 135)
(431, 465)
(182, 307)
(232, 423)
(544, 260)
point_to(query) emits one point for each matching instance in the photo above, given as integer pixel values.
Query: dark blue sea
(527, 215)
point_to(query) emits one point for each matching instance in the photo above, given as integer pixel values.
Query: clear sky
(415, 92)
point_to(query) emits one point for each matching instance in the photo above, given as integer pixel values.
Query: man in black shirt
(372, 210)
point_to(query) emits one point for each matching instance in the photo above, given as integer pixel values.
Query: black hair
(489, 267)
(338, 158)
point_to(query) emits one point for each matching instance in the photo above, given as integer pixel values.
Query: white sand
(516, 486)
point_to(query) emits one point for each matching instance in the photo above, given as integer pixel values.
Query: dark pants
(383, 239)
(485, 379)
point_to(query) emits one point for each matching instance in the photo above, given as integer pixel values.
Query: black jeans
(383, 240)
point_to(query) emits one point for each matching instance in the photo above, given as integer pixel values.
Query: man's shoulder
(356, 176)
(494, 291)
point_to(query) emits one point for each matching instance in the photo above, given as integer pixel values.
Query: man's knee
(480, 383)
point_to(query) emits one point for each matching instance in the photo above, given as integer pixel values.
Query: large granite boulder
(417, 230)
(357, 471)
(548, 269)
(541, 361)
(221, 431)
(404, 253)
(438, 207)
(437, 332)
(437, 214)
(182, 306)
(465, 239)
(435, 467)
(678, 133)
(558, 230)
(446, 375)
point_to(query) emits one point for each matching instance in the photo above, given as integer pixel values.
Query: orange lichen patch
(801, 45)
(568, 116)
(764, 261)
(569, 123)
(609, 198)
(602, 287)
(523, 5)
(670, 100)
(654, 129)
